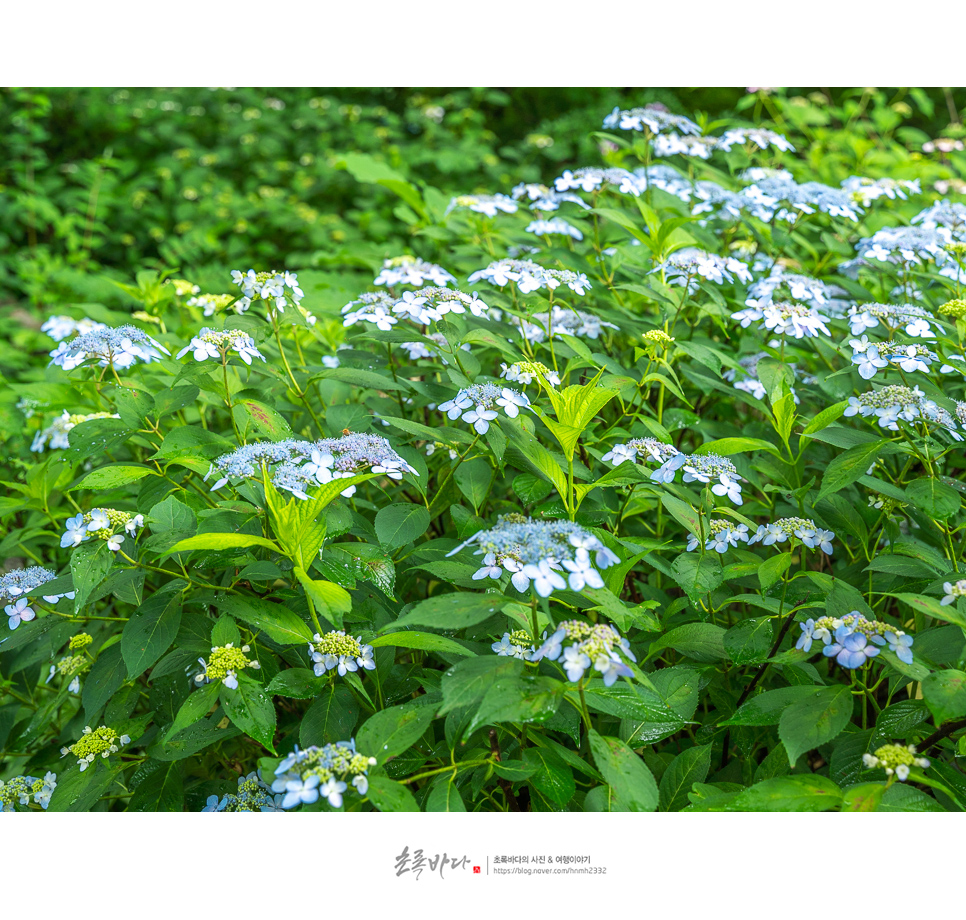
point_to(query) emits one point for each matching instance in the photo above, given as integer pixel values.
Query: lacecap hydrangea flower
(412, 271)
(852, 640)
(253, 794)
(599, 646)
(561, 321)
(103, 524)
(688, 266)
(651, 118)
(913, 319)
(895, 759)
(557, 226)
(516, 644)
(17, 793)
(759, 137)
(325, 772)
(865, 190)
(953, 591)
(667, 145)
(791, 285)
(529, 277)
(871, 357)
(72, 666)
(62, 327)
(720, 535)
(18, 582)
(431, 304)
(120, 347)
(703, 468)
(336, 651)
(479, 404)
(592, 178)
(527, 371)
(540, 553)
(804, 529)
(212, 303)
(906, 244)
(490, 205)
(224, 664)
(276, 289)
(371, 307)
(56, 432)
(640, 450)
(301, 465)
(795, 319)
(95, 742)
(219, 343)
(892, 404)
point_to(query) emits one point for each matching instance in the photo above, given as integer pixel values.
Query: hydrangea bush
(639, 489)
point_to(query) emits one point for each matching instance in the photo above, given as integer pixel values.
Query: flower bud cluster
(71, 666)
(600, 645)
(101, 741)
(277, 289)
(224, 664)
(529, 277)
(120, 347)
(537, 552)
(336, 650)
(103, 524)
(479, 404)
(805, 529)
(21, 789)
(412, 271)
(219, 343)
(322, 771)
(56, 432)
(954, 308)
(895, 759)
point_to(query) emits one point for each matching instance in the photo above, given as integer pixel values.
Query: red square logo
(476, 870)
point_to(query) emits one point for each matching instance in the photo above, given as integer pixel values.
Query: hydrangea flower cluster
(18, 582)
(253, 794)
(527, 371)
(213, 303)
(912, 318)
(771, 195)
(856, 639)
(56, 432)
(760, 137)
(906, 244)
(592, 178)
(529, 277)
(103, 524)
(224, 664)
(556, 226)
(651, 118)
(687, 266)
(871, 357)
(798, 287)
(667, 145)
(750, 382)
(702, 468)
(644, 450)
(537, 552)
(72, 666)
(305, 775)
(895, 759)
(953, 591)
(371, 307)
(561, 321)
(490, 205)
(600, 646)
(304, 464)
(62, 327)
(667, 179)
(892, 404)
(21, 789)
(101, 741)
(865, 191)
(417, 350)
(277, 289)
(412, 271)
(120, 347)
(721, 534)
(951, 215)
(479, 404)
(795, 319)
(516, 644)
(543, 198)
(804, 529)
(432, 304)
(219, 343)
(338, 651)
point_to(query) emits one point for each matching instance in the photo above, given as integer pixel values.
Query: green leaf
(846, 468)
(700, 641)
(466, 682)
(331, 718)
(864, 797)
(519, 698)
(265, 419)
(390, 732)
(452, 611)
(279, 623)
(104, 680)
(77, 791)
(150, 632)
(161, 790)
(444, 796)
(945, 695)
(938, 500)
(388, 795)
(297, 684)
(367, 379)
(682, 512)
(948, 613)
(331, 601)
(772, 569)
(419, 640)
(624, 772)
(726, 447)
(812, 721)
(689, 767)
(219, 541)
(551, 776)
(401, 523)
(767, 708)
(110, 477)
(530, 489)
(697, 574)
(89, 565)
(750, 640)
(473, 478)
(789, 793)
(250, 708)
(195, 707)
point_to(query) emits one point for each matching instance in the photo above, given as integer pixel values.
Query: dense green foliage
(697, 417)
